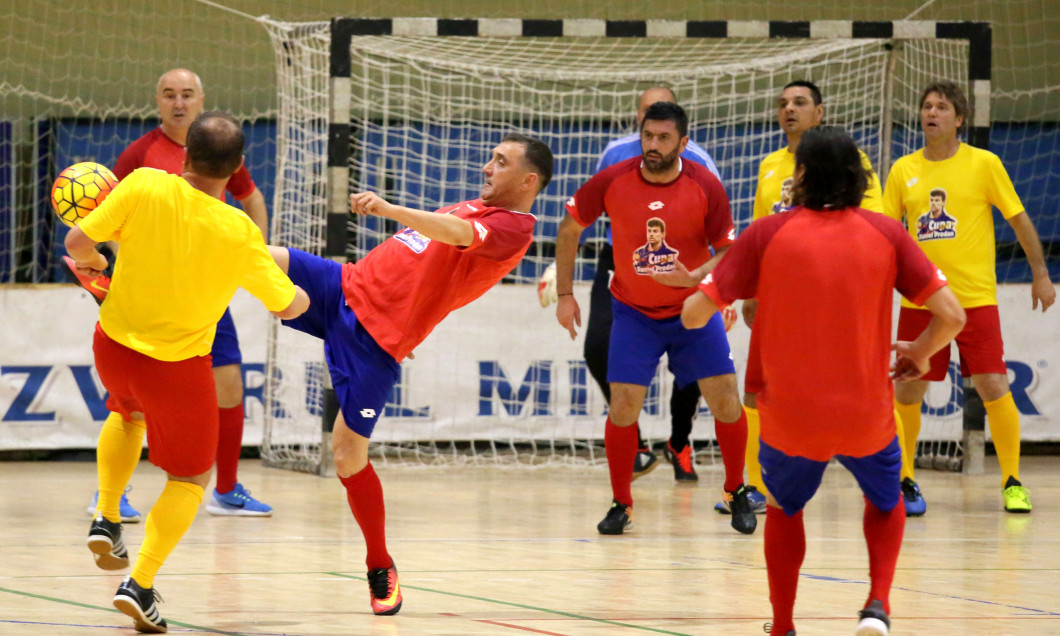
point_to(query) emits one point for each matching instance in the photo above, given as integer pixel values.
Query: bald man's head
(649, 97)
(215, 145)
(180, 99)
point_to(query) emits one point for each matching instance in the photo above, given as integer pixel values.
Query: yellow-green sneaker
(1016, 497)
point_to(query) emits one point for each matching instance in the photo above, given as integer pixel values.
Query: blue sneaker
(915, 506)
(128, 513)
(755, 498)
(237, 503)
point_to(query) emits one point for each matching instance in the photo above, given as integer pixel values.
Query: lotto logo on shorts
(368, 413)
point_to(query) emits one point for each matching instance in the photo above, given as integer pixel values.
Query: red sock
(365, 494)
(229, 445)
(620, 443)
(785, 545)
(883, 535)
(732, 441)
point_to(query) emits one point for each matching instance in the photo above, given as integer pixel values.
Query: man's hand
(909, 364)
(1042, 290)
(679, 276)
(569, 314)
(93, 267)
(365, 203)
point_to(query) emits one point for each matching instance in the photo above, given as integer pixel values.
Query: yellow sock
(169, 519)
(117, 454)
(754, 431)
(1004, 420)
(907, 416)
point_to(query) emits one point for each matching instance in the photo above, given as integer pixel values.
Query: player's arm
(568, 313)
(1041, 287)
(681, 276)
(947, 320)
(447, 228)
(82, 249)
(298, 305)
(697, 310)
(254, 205)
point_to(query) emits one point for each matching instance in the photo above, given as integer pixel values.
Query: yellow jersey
(774, 195)
(947, 208)
(183, 254)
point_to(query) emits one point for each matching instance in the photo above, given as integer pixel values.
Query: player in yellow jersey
(799, 108)
(183, 254)
(945, 193)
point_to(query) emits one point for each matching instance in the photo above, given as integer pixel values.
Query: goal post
(410, 107)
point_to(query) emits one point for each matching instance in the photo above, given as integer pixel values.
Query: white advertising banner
(500, 368)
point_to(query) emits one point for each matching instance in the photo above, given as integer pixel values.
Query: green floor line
(64, 601)
(521, 606)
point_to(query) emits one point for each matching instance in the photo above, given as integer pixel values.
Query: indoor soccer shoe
(619, 519)
(684, 469)
(385, 591)
(873, 621)
(140, 605)
(128, 513)
(915, 506)
(743, 516)
(757, 499)
(644, 462)
(1017, 498)
(97, 286)
(104, 541)
(237, 503)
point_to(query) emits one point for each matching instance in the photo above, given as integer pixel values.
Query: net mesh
(425, 113)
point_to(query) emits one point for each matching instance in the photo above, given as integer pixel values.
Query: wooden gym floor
(509, 552)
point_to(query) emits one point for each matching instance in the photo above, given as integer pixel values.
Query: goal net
(416, 119)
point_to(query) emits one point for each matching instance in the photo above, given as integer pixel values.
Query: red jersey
(409, 283)
(156, 150)
(653, 225)
(824, 284)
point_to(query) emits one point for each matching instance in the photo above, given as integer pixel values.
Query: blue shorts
(793, 480)
(362, 373)
(225, 349)
(638, 343)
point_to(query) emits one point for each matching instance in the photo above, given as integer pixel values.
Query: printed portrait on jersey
(786, 188)
(655, 256)
(936, 223)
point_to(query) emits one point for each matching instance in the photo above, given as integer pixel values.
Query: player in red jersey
(371, 314)
(824, 274)
(646, 197)
(180, 99)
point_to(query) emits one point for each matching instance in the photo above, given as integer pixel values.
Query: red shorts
(979, 343)
(178, 400)
(753, 382)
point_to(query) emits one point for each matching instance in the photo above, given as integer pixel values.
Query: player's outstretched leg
(140, 604)
(620, 444)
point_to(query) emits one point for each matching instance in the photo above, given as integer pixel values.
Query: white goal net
(500, 381)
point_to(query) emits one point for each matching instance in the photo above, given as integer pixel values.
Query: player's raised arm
(447, 228)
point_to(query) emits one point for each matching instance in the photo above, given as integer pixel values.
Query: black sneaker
(139, 604)
(619, 519)
(104, 541)
(743, 512)
(644, 462)
(873, 621)
(683, 462)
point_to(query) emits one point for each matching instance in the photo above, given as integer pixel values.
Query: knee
(727, 409)
(349, 459)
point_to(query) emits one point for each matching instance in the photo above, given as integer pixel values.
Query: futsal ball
(80, 189)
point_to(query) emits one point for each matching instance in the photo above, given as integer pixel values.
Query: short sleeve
(892, 194)
(587, 204)
(719, 226)
(241, 185)
(262, 277)
(1002, 193)
(500, 234)
(736, 275)
(105, 222)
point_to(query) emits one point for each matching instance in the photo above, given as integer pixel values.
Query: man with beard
(647, 305)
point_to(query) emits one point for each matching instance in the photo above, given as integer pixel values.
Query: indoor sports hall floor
(510, 552)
